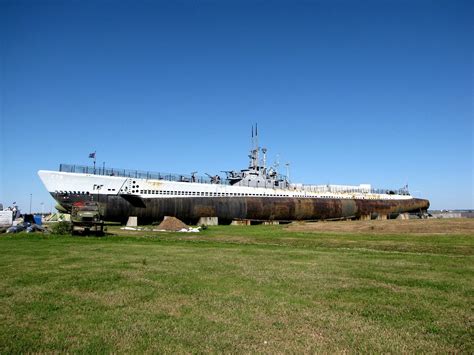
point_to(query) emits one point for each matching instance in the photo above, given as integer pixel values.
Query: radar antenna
(264, 151)
(276, 164)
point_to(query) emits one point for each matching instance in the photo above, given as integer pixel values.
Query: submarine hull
(189, 209)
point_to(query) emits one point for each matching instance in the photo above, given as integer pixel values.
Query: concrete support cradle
(132, 221)
(208, 221)
(241, 222)
(271, 222)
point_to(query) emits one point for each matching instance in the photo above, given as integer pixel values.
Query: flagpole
(94, 160)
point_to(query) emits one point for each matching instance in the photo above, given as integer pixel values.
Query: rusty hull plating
(116, 208)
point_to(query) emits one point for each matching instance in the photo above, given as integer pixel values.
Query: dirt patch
(172, 224)
(394, 226)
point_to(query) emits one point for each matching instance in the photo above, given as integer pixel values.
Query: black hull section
(189, 209)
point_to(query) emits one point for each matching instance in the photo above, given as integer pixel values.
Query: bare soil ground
(172, 224)
(415, 226)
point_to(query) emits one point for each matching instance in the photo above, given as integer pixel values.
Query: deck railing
(138, 174)
(149, 175)
(353, 189)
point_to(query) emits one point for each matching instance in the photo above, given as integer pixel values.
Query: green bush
(61, 228)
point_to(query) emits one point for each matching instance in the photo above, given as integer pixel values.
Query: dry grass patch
(412, 226)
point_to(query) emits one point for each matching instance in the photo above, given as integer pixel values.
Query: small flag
(92, 155)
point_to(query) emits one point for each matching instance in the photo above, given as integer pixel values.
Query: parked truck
(86, 218)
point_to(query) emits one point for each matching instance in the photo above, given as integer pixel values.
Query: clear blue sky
(348, 92)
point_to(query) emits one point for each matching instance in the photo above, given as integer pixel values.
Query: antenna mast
(252, 143)
(257, 161)
(277, 163)
(251, 150)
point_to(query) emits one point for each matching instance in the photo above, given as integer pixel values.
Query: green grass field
(237, 289)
